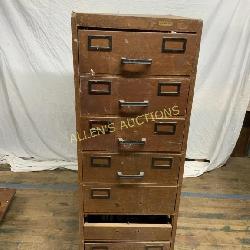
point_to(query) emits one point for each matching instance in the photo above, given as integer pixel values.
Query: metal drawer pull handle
(136, 61)
(130, 176)
(141, 142)
(123, 103)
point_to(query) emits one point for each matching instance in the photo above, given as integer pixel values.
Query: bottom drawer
(127, 231)
(161, 245)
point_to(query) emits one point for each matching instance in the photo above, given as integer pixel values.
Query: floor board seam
(73, 187)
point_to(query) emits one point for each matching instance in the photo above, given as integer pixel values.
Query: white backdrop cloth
(37, 90)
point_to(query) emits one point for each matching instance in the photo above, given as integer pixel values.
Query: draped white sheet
(36, 78)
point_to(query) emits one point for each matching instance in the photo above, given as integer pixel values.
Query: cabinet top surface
(140, 22)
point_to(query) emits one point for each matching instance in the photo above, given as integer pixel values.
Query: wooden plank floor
(214, 212)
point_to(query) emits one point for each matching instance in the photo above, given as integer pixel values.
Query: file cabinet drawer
(131, 134)
(127, 231)
(129, 199)
(113, 95)
(127, 52)
(157, 168)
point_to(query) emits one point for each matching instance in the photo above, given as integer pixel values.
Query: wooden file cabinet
(134, 82)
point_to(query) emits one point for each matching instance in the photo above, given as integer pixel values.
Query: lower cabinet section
(127, 199)
(161, 245)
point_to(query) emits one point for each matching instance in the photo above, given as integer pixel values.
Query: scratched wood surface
(6, 196)
(214, 210)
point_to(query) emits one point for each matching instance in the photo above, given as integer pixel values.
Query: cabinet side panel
(76, 83)
(185, 137)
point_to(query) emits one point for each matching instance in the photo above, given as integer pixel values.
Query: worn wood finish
(161, 245)
(133, 53)
(75, 45)
(6, 197)
(161, 169)
(127, 231)
(41, 219)
(136, 45)
(129, 199)
(100, 95)
(185, 138)
(138, 22)
(103, 133)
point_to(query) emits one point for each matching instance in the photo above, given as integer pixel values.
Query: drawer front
(130, 134)
(126, 231)
(132, 96)
(129, 199)
(160, 245)
(161, 169)
(151, 53)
